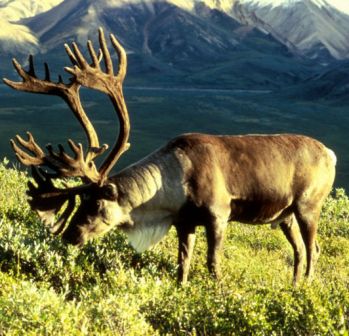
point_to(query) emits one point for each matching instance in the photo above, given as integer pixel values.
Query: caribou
(194, 180)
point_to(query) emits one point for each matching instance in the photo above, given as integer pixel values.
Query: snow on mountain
(14, 10)
(14, 36)
(340, 5)
(223, 5)
(316, 28)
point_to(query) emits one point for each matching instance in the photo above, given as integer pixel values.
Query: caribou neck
(150, 194)
(155, 183)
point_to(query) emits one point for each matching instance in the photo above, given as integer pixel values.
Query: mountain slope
(14, 36)
(167, 43)
(329, 84)
(312, 28)
(220, 43)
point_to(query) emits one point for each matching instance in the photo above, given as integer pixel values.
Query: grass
(48, 288)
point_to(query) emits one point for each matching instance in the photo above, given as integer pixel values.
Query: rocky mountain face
(225, 43)
(311, 28)
(168, 42)
(314, 28)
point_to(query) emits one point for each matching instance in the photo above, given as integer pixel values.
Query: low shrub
(48, 288)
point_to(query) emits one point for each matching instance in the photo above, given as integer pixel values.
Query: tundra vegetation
(50, 288)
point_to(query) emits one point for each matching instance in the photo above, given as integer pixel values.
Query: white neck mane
(154, 190)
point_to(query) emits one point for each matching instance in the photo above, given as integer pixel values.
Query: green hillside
(47, 288)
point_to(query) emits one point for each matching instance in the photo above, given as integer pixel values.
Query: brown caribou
(195, 179)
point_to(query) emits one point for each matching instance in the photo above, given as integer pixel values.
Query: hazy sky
(340, 4)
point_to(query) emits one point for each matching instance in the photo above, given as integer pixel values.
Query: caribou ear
(110, 192)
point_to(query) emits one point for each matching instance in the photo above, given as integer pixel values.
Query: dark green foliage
(157, 115)
(47, 288)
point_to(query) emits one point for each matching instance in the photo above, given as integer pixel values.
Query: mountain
(14, 10)
(223, 43)
(313, 28)
(15, 36)
(330, 84)
(169, 42)
(160, 37)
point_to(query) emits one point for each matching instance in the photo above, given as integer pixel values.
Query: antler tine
(106, 55)
(77, 56)
(122, 58)
(47, 73)
(21, 73)
(95, 59)
(31, 146)
(31, 71)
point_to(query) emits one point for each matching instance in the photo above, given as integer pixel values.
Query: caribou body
(207, 180)
(196, 179)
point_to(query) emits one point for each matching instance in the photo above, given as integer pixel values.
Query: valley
(159, 114)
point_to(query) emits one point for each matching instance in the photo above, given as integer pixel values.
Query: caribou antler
(61, 162)
(46, 199)
(92, 76)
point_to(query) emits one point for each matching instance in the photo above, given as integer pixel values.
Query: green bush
(48, 288)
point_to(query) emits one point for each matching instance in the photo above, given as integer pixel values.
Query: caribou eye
(110, 192)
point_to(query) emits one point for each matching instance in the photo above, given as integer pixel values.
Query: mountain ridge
(219, 43)
(302, 26)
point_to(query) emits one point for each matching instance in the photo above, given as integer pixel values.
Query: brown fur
(211, 180)
(256, 180)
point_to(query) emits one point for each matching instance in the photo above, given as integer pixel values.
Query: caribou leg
(308, 222)
(186, 242)
(291, 230)
(215, 235)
